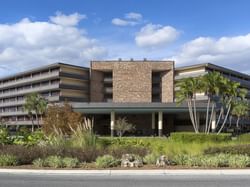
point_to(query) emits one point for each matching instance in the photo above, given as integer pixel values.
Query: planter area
(87, 151)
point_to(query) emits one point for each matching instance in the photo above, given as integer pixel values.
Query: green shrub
(238, 161)
(107, 161)
(151, 158)
(209, 161)
(54, 161)
(70, 162)
(4, 136)
(200, 137)
(8, 160)
(118, 151)
(244, 137)
(39, 162)
(83, 139)
(234, 149)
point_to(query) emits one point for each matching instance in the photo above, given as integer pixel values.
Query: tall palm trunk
(191, 114)
(207, 114)
(237, 123)
(211, 118)
(195, 115)
(225, 120)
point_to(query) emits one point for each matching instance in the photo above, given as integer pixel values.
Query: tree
(36, 105)
(232, 92)
(240, 108)
(122, 126)
(187, 93)
(212, 86)
(61, 118)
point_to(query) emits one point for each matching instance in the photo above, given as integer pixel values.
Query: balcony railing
(26, 91)
(30, 79)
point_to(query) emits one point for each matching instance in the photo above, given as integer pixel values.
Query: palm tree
(240, 108)
(187, 93)
(232, 91)
(36, 105)
(211, 85)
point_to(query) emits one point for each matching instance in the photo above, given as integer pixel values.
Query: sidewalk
(129, 172)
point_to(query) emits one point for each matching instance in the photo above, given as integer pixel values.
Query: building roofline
(134, 60)
(36, 69)
(213, 66)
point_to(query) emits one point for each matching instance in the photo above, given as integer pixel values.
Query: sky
(41, 32)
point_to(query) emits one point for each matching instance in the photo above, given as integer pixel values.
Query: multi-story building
(57, 82)
(142, 91)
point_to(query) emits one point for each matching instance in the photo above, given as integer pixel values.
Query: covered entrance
(150, 119)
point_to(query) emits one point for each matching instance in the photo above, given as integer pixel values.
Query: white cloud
(153, 36)
(122, 22)
(27, 44)
(133, 15)
(228, 51)
(67, 20)
(130, 19)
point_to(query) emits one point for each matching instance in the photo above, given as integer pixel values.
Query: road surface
(49, 180)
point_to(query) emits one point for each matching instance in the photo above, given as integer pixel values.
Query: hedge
(235, 149)
(199, 137)
(244, 137)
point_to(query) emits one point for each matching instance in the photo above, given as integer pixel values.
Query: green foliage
(200, 138)
(107, 161)
(39, 162)
(244, 137)
(118, 151)
(234, 149)
(151, 158)
(218, 160)
(83, 139)
(28, 139)
(54, 161)
(239, 161)
(70, 162)
(4, 134)
(8, 160)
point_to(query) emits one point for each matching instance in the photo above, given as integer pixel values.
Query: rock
(129, 160)
(161, 161)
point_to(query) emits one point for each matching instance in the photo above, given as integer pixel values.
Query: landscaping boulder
(130, 160)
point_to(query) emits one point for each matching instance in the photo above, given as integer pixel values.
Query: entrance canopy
(106, 108)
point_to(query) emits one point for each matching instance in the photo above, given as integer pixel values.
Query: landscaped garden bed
(84, 150)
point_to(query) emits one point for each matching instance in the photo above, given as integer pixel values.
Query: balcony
(179, 77)
(31, 79)
(21, 102)
(108, 80)
(14, 113)
(26, 91)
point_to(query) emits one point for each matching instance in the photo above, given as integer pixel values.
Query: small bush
(238, 161)
(8, 160)
(39, 162)
(54, 161)
(151, 158)
(107, 161)
(188, 137)
(235, 149)
(70, 162)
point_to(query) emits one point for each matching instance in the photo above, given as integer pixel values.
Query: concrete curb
(163, 172)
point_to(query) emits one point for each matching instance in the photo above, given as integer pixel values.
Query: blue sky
(34, 33)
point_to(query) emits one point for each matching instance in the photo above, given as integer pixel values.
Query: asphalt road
(31, 180)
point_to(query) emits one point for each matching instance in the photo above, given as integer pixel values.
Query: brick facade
(132, 80)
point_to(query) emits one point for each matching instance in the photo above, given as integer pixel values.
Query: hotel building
(142, 91)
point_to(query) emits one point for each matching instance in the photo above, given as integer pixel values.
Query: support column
(153, 123)
(160, 123)
(213, 126)
(112, 123)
